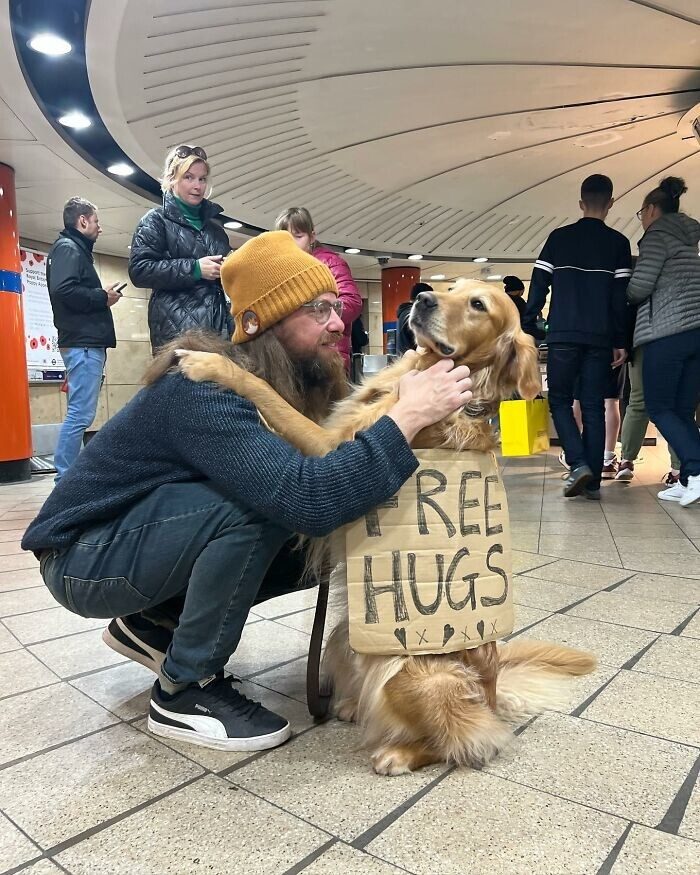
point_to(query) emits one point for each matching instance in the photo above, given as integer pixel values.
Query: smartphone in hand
(120, 288)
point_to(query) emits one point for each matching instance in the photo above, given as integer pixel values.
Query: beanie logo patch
(250, 322)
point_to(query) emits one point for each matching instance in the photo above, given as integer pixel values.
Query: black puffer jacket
(164, 251)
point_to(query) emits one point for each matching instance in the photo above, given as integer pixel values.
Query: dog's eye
(477, 304)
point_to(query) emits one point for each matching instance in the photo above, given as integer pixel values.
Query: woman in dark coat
(177, 250)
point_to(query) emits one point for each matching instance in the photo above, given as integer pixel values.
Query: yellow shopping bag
(524, 427)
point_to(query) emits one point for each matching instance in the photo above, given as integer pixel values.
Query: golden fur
(457, 707)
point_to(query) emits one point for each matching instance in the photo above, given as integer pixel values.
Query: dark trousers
(587, 368)
(182, 540)
(671, 376)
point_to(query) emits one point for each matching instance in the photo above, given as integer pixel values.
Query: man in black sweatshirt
(588, 266)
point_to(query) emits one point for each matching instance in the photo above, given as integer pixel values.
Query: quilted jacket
(164, 251)
(666, 279)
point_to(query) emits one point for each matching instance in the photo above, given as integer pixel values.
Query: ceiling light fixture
(480, 260)
(49, 44)
(438, 276)
(494, 276)
(120, 169)
(234, 225)
(75, 119)
(415, 257)
(352, 250)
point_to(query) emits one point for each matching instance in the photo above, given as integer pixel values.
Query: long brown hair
(309, 386)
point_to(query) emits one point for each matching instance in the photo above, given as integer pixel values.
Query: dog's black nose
(427, 299)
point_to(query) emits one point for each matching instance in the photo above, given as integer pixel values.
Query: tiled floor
(606, 786)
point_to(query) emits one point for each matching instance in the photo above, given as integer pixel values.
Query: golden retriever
(458, 707)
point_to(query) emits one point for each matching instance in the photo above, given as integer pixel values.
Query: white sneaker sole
(687, 500)
(662, 497)
(624, 475)
(240, 745)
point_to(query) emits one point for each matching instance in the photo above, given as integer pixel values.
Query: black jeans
(568, 363)
(671, 377)
(183, 539)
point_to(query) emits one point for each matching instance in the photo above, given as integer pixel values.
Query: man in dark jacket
(185, 493)
(404, 336)
(514, 288)
(588, 266)
(82, 315)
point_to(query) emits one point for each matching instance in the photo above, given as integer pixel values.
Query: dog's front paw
(391, 761)
(346, 710)
(203, 367)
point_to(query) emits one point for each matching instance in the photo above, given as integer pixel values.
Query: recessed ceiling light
(75, 120)
(415, 257)
(494, 276)
(438, 276)
(120, 169)
(49, 44)
(480, 260)
(353, 250)
(234, 226)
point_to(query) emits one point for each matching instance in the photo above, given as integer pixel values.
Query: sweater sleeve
(652, 256)
(539, 289)
(65, 282)
(620, 312)
(220, 434)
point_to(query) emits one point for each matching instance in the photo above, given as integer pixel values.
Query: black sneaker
(577, 480)
(214, 714)
(138, 639)
(592, 494)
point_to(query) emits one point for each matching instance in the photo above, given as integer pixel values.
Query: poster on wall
(44, 362)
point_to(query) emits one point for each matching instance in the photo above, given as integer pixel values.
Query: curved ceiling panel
(452, 130)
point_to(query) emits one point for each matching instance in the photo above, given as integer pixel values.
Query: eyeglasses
(639, 213)
(186, 151)
(321, 310)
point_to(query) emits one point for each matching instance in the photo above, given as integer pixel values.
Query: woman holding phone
(177, 250)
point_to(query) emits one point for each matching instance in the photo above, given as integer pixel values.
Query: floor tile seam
(672, 821)
(86, 834)
(289, 613)
(92, 671)
(22, 866)
(684, 744)
(683, 625)
(634, 659)
(528, 627)
(293, 628)
(11, 634)
(260, 754)
(610, 622)
(609, 862)
(607, 522)
(255, 674)
(52, 747)
(273, 690)
(369, 835)
(23, 831)
(310, 858)
(129, 720)
(554, 559)
(667, 677)
(582, 706)
(662, 508)
(31, 689)
(22, 613)
(24, 589)
(28, 644)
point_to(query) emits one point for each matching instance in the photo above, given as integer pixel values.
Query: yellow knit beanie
(269, 278)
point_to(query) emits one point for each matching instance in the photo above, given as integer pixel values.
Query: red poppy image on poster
(40, 333)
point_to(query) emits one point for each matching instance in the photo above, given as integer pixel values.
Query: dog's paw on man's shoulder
(202, 367)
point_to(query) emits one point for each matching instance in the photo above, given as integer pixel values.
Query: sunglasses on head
(186, 151)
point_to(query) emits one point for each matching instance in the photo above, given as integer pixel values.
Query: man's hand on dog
(426, 397)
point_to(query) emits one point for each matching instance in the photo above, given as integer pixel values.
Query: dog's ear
(521, 370)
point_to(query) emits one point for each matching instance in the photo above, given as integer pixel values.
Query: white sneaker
(692, 491)
(673, 493)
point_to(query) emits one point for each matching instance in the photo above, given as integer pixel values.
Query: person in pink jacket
(298, 221)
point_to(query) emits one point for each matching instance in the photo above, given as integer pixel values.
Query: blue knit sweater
(177, 431)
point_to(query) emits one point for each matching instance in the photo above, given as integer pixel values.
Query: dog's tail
(532, 677)
(441, 702)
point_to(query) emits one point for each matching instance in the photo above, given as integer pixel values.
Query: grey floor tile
(324, 778)
(612, 645)
(125, 690)
(573, 547)
(25, 600)
(94, 778)
(20, 671)
(662, 587)
(659, 563)
(43, 867)
(77, 653)
(25, 579)
(15, 847)
(49, 716)
(616, 771)
(341, 859)
(524, 540)
(499, 828)
(648, 850)
(216, 760)
(662, 544)
(690, 825)
(54, 622)
(227, 831)
(289, 679)
(582, 688)
(673, 657)
(526, 616)
(8, 547)
(580, 573)
(523, 562)
(627, 610)
(18, 562)
(663, 707)
(264, 645)
(286, 604)
(692, 630)
(7, 640)
(545, 594)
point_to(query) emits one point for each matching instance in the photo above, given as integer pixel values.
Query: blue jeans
(183, 539)
(84, 366)
(568, 363)
(671, 377)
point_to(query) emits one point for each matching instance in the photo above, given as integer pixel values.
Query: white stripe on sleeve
(544, 265)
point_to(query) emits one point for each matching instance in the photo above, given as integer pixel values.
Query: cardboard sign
(430, 571)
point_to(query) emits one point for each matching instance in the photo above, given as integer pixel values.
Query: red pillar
(397, 283)
(15, 419)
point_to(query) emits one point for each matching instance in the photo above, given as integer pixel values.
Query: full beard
(322, 381)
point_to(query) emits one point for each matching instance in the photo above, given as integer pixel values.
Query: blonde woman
(177, 250)
(298, 221)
